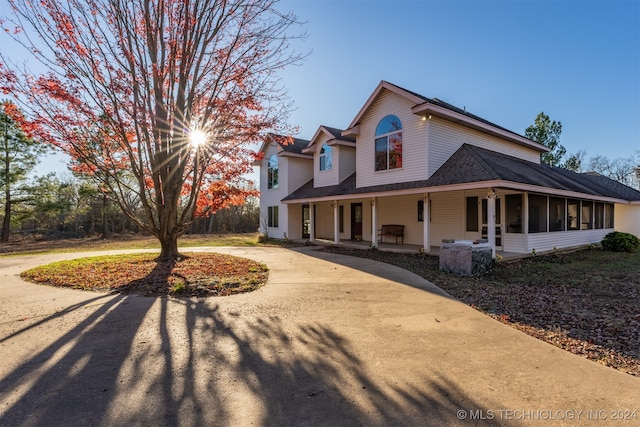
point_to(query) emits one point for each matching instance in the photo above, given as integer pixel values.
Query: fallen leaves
(199, 274)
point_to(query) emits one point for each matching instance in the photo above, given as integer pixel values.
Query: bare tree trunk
(169, 247)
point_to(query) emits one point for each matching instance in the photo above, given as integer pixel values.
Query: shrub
(620, 242)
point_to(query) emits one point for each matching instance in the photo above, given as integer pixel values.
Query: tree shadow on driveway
(161, 361)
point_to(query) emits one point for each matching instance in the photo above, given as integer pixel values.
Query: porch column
(312, 220)
(336, 224)
(374, 223)
(491, 221)
(426, 214)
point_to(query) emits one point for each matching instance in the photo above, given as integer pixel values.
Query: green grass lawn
(24, 247)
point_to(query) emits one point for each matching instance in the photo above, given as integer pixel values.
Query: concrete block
(465, 257)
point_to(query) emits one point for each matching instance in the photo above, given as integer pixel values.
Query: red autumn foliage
(126, 83)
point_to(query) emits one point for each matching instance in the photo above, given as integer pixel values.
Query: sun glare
(197, 138)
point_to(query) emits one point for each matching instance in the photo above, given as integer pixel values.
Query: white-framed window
(272, 172)
(326, 160)
(388, 144)
(272, 218)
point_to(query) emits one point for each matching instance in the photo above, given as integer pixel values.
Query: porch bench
(393, 230)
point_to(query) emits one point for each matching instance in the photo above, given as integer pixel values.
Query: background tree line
(52, 206)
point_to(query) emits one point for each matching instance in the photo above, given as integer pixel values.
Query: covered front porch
(516, 223)
(424, 218)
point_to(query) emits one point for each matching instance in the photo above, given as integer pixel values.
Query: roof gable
(334, 135)
(427, 107)
(285, 144)
(383, 85)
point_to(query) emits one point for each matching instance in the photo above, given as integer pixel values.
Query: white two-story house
(440, 173)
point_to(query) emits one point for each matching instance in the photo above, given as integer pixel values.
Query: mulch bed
(197, 275)
(585, 302)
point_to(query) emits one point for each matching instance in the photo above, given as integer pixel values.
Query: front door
(356, 221)
(498, 241)
(306, 222)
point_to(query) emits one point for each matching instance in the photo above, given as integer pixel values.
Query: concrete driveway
(330, 340)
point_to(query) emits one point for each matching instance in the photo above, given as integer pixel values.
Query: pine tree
(18, 156)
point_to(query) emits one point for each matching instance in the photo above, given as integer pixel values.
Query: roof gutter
(427, 109)
(465, 186)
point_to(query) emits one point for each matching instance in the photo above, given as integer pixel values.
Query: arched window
(388, 144)
(272, 172)
(325, 158)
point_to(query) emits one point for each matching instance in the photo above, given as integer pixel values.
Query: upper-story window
(272, 172)
(389, 143)
(325, 158)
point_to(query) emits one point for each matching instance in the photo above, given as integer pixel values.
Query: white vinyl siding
(627, 218)
(324, 221)
(402, 210)
(346, 159)
(445, 138)
(292, 173)
(297, 172)
(326, 177)
(272, 197)
(543, 242)
(294, 216)
(413, 143)
(447, 217)
(513, 242)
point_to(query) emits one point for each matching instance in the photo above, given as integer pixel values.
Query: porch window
(537, 213)
(472, 213)
(599, 216)
(341, 218)
(556, 214)
(388, 144)
(513, 212)
(420, 210)
(587, 216)
(272, 220)
(573, 214)
(326, 160)
(272, 172)
(608, 215)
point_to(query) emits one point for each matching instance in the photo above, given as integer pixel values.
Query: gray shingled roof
(625, 192)
(451, 107)
(295, 147)
(474, 164)
(337, 134)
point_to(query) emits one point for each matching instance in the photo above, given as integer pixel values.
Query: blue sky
(506, 61)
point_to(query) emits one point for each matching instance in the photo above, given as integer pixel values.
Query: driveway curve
(330, 340)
